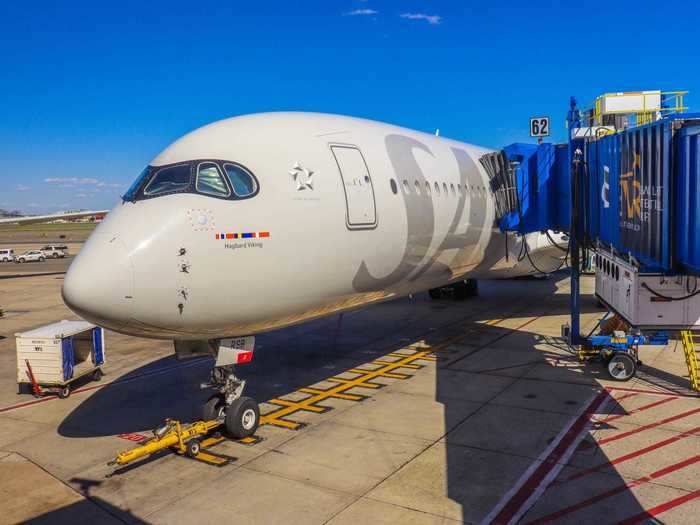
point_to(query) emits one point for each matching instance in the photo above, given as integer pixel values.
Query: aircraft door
(357, 183)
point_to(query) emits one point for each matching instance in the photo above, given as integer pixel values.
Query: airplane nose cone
(99, 284)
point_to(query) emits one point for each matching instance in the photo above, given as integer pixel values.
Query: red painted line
(650, 392)
(616, 490)
(623, 435)
(655, 511)
(136, 438)
(640, 409)
(635, 454)
(152, 373)
(519, 499)
(626, 396)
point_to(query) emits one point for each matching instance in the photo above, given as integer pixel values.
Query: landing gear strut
(240, 415)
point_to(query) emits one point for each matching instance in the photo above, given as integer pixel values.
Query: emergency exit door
(357, 182)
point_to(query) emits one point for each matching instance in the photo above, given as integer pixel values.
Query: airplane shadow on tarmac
(487, 447)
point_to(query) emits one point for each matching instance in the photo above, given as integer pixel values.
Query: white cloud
(431, 19)
(22, 187)
(362, 12)
(71, 180)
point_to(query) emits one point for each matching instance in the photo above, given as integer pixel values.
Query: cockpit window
(170, 179)
(130, 194)
(210, 180)
(221, 179)
(242, 181)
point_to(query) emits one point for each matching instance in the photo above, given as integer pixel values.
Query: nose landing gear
(240, 415)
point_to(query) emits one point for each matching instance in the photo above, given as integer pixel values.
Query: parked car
(30, 256)
(7, 255)
(55, 251)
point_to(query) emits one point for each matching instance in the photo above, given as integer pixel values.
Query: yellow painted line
(298, 405)
(352, 382)
(419, 352)
(338, 395)
(275, 420)
(406, 365)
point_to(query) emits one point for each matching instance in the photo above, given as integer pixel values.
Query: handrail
(691, 359)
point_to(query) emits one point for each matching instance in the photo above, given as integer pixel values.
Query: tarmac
(411, 411)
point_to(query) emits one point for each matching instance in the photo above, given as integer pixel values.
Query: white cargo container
(58, 354)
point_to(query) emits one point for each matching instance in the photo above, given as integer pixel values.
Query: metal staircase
(691, 348)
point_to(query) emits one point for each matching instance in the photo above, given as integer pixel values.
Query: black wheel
(55, 256)
(42, 259)
(622, 367)
(97, 374)
(435, 293)
(214, 408)
(21, 260)
(64, 392)
(193, 447)
(242, 418)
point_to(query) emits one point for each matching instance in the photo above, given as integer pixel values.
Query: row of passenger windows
(427, 188)
(221, 179)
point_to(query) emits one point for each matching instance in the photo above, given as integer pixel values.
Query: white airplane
(259, 222)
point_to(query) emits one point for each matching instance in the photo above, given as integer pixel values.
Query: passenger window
(437, 189)
(444, 188)
(394, 189)
(417, 188)
(427, 188)
(172, 178)
(210, 181)
(452, 188)
(242, 182)
(406, 187)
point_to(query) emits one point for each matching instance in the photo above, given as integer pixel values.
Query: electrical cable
(532, 263)
(668, 297)
(554, 243)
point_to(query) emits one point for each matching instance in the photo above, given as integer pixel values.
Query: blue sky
(89, 93)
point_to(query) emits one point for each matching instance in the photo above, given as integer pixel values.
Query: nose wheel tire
(242, 418)
(214, 408)
(622, 367)
(64, 392)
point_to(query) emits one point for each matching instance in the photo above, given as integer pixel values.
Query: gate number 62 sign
(539, 127)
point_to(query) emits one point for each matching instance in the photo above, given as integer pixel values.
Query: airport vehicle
(259, 222)
(7, 255)
(30, 256)
(52, 357)
(55, 251)
(185, 439)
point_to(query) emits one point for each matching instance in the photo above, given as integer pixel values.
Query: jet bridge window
(210, 180)
(168, 180)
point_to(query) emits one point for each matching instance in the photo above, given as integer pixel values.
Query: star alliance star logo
(302, 176)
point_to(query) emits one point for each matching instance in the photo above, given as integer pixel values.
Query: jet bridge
(625, 186)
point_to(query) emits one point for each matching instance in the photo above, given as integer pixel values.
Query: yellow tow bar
(183, 439)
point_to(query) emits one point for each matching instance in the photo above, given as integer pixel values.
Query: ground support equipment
(189, 440)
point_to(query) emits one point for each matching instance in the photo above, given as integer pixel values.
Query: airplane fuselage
(344, 212)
